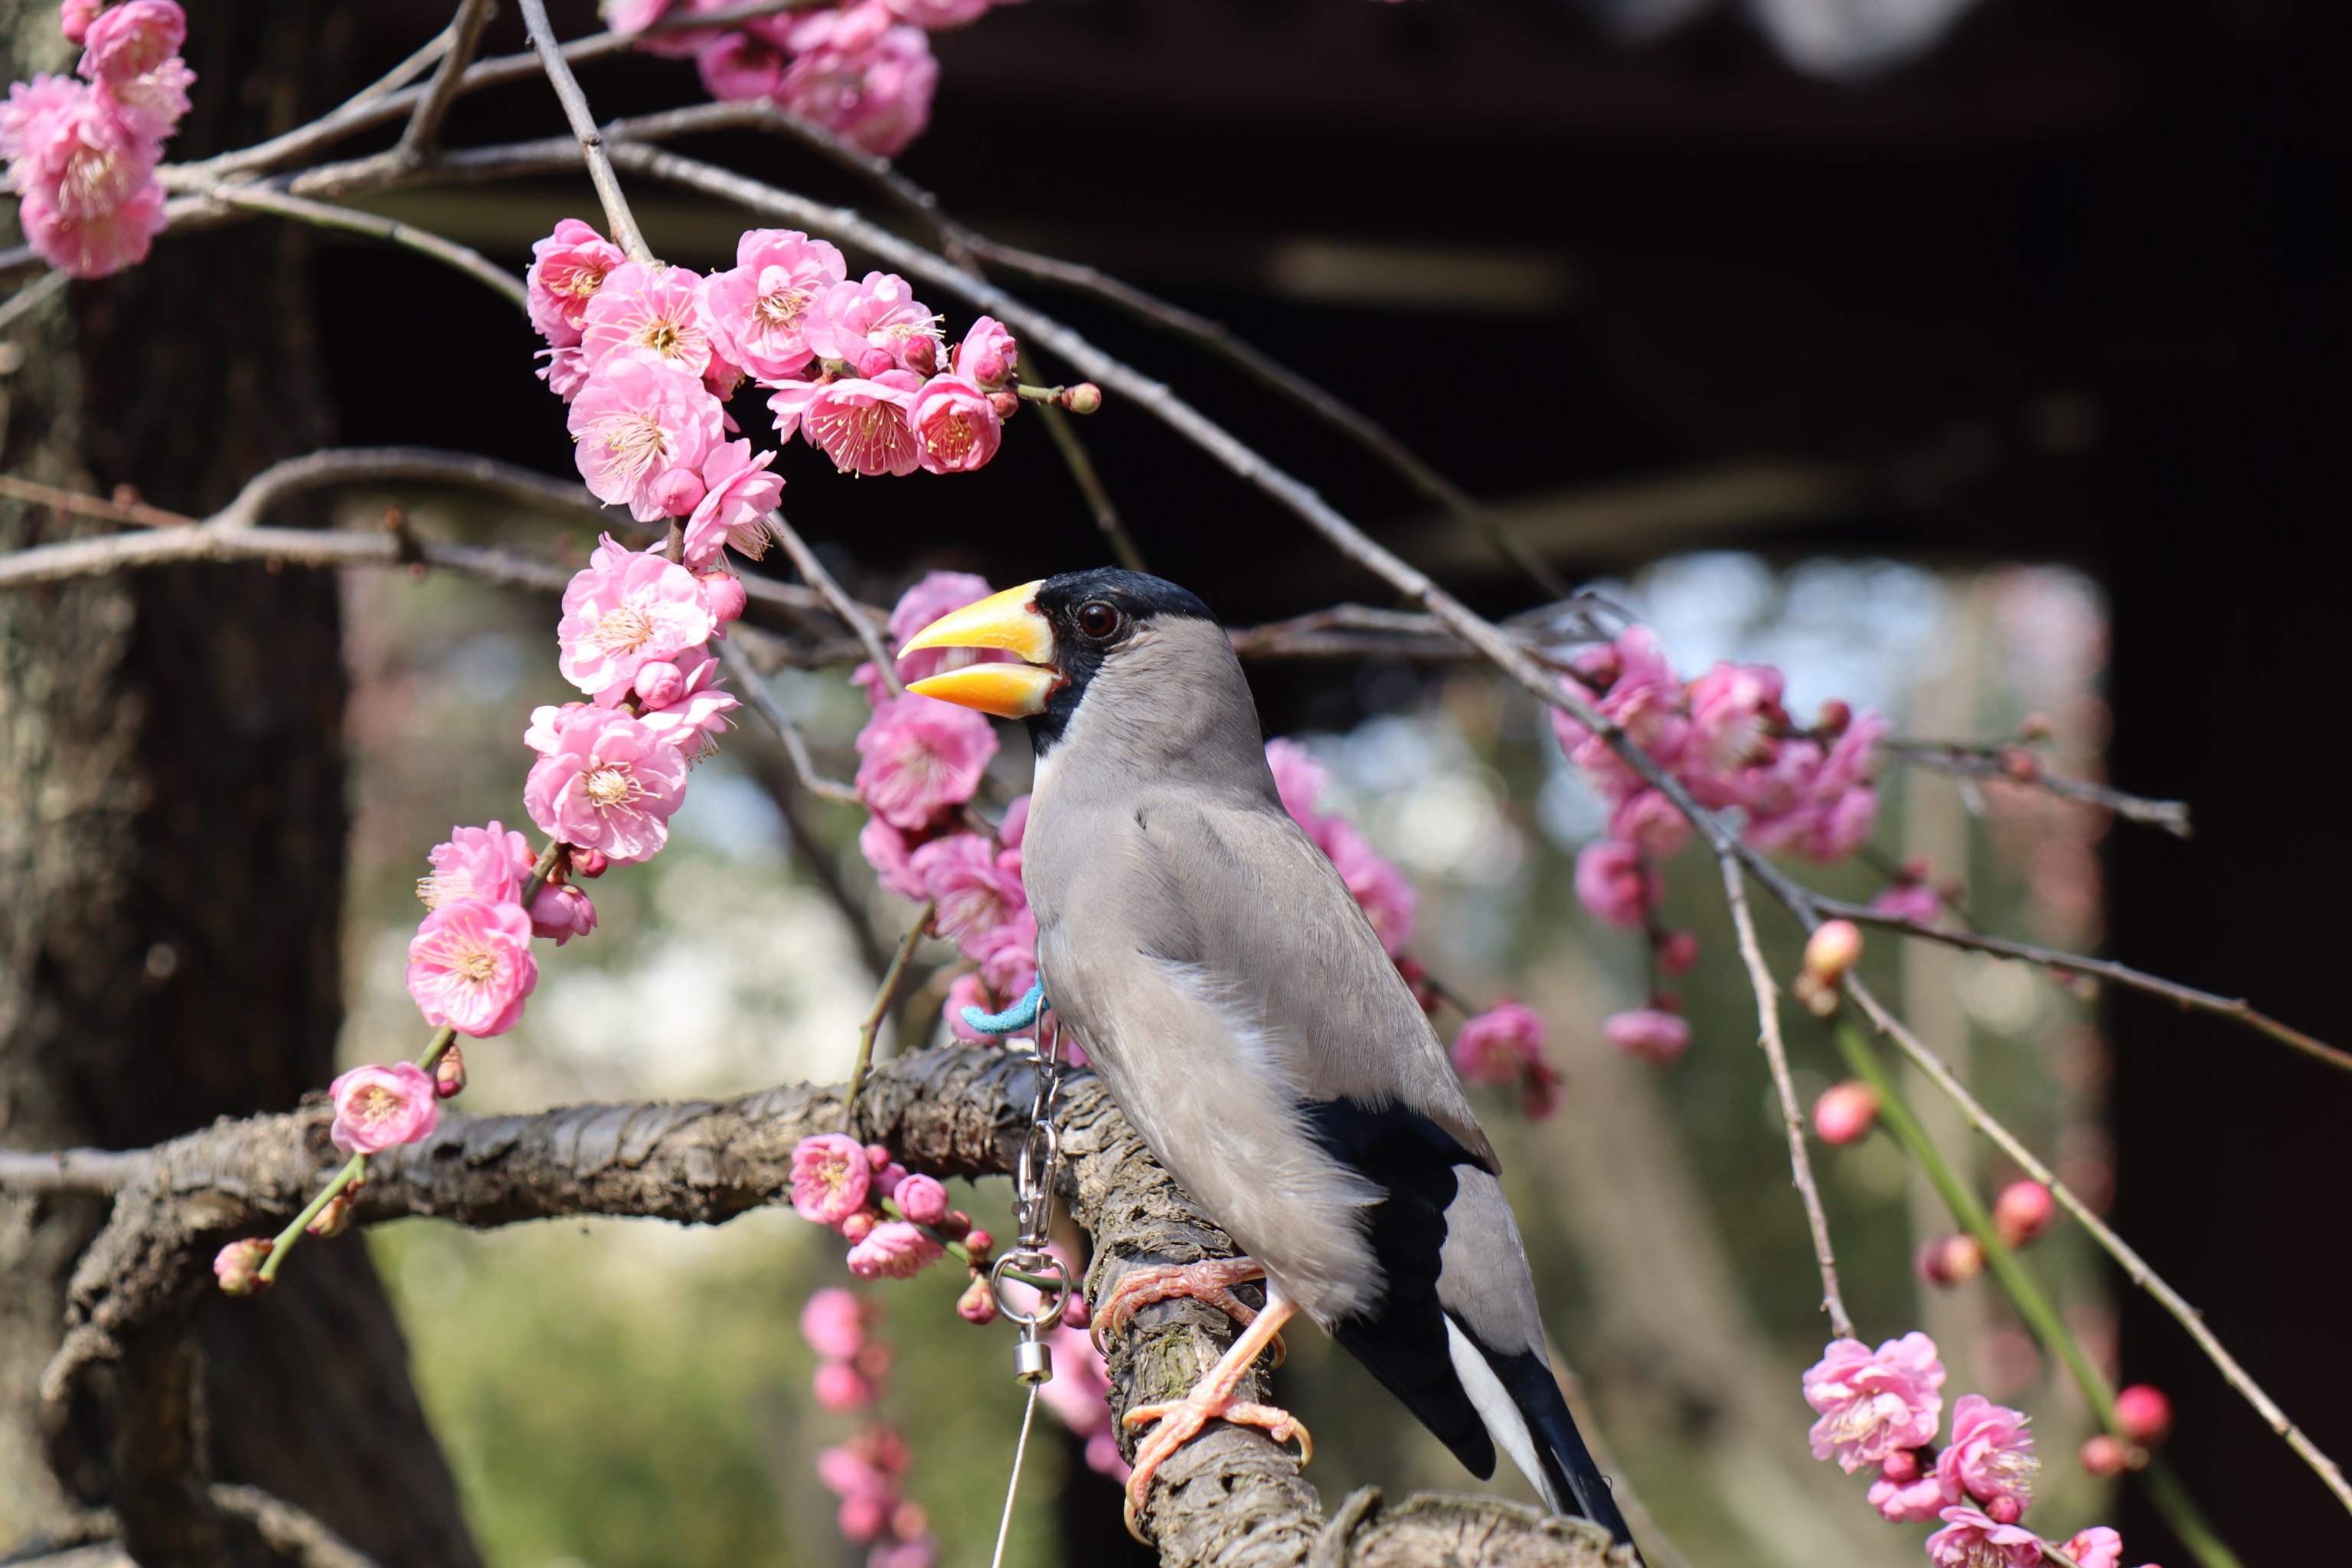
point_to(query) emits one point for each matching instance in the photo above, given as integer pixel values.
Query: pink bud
(336, 1217)
(2022, 1212)
(449, 1073)
(2003, 1509)
(873, 1359)
(2102, 1455)
(873, 361)
(857, 1227)
(1950, 1260)
(1084, 398)
(1901, 1466)
(2144, 1414)
(589, 863)
(723, 596)
(1074, 1311)
(73, 18)
(659, 683)
(878, 1156)
(979, 1244)
(1006, 404)
(863, 1514)
(2020, 764)
(1832, 949)
(954, 1224)
(237, 1265)
(1834, 718)
(838, 1387)
(1678, 951)
(921, 1199)
(910, 1520)
(887, 1180)
(976, 1304)
(1846, 1111)
(677, 490)
(922, 356)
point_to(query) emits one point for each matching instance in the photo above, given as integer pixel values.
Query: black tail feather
(1559, 1446)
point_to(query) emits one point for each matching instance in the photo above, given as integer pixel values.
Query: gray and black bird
(1247, 1021)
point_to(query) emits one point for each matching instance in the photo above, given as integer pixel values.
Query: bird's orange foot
(1211, 1281)
(1182, 1420)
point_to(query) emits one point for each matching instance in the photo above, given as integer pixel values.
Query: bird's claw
(1181, 1420)
(1211, 1280)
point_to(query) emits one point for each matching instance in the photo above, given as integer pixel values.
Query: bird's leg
(1211, 1281)
(1211, 1399)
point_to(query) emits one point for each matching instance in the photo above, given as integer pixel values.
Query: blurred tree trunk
(172, 826)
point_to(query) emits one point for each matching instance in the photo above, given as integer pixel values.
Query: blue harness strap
(1021, 1014)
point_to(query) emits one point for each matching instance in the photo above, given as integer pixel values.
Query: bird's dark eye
(1098, 620)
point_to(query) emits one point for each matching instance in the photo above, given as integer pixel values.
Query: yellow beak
(1007, 621)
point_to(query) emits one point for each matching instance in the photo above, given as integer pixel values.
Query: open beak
(1007, 621)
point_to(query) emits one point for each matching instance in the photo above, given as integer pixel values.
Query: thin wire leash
(1033, 1360)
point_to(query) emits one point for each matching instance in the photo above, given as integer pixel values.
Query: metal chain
(1033, 1212)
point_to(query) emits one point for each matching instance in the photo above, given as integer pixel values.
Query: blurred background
(1967, 360)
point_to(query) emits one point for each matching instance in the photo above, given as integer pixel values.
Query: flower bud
(1833, 719)
(659, 683)
(1084, 398)
(2020, 764)
(980, 1245)
(1832, 949)
(872, 362)
(878, 1156)
(336, 1217)
(237, 1265)
(1950, 1260)
(910, 1520)
(955, 1224)
(2104, 1456)
(589, 863)
(921, 1199)
(2022, 1212)
(677, 491)
(1678, 951)
(839, 1388)
(1846, 1111)
(873, 1359)
(1901, 1466)
(857, 1227)
(1075, 1313)
(1006, 404)
(723, 596)
(449, 1073)
(978, 1303)
(2003, 1509)
(2144, 1414)
(922, 356)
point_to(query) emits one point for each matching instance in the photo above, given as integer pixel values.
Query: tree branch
(420, 142)
(584, 126)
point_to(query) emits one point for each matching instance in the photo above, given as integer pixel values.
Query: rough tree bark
(1233, 1499)
(172, 825)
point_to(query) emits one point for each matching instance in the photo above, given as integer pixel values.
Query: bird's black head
(1064, 628)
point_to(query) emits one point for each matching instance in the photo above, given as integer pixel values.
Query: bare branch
(584, 126)
(753, 688)
(424, 241)
(1979, 762)
(859, 619)
(1792, 1119)
(420, 141)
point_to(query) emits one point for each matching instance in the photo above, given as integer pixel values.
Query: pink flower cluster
(896, 1223)
(864, 70)
(1505, 1045)
(1882, 1409)
(851, 1362)
(82, 154)
(869, 1475)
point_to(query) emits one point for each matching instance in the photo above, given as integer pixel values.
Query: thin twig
(1793, 1119)
(424, 241)
(583, 125)
(2187, 997)
(1979, 762)
(856, 616)
(754, 689)
(2135, 1266)
(883, 997)
(136, 513)
(393, 465)
(398, 77)
(31, 295)
(1123, 547)
(420, 141)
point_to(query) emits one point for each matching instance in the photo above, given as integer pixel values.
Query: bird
(1247, 1021)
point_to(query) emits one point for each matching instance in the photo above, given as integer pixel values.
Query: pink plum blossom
(956, 427)
(378, 1108)
(609, 782)
(638, 608)
(724, 595)
(97, 245)
(921, 1199)
(738, 494)
(132, 39)
(650, 311)
(1971, 1540)
(1007, 956)
(790, 406)
(919, 757)
(487, 863)
(73, 18)
(560, 911)
(637, 419)
(2098, 1547)
(1733, 708)
(886, 850)
(1916, 902)
(833, 1324)
(1914, 1501)
(470, 967)
(695, 716)
(861, 77)
(1651, 1032)
(567, 270)
(864, 425)
(869, 325)
(737, 67)
(1647, 819)
(974, 894)
(1615, 882)
(1875, 1404)
(759, 311)
(895, 1250)
(830, 1177)
(841, 1388)
(1846, 1111)
(1990, 1457)
(988, 356)
(237, 1265)
(565, 372)
(1496, 1045)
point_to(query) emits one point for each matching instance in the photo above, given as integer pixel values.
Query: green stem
(2033, 1304)
(284, 1242)
(883, 997)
